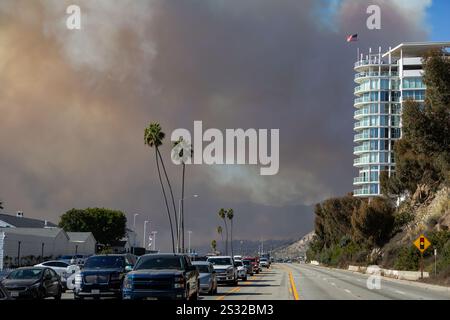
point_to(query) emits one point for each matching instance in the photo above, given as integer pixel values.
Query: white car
(63, 269)
(241, 269)
(225, 269)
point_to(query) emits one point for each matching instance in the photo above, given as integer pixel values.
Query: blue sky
(438, 19)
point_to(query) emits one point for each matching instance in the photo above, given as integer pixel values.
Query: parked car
(264, 262)
(4, 294)
(33, 283)
(255, 263)
(102, 276)
(62, 268)
(225, 269)
(162, 276)
(207, 276)
(241, 269)
(249, 266)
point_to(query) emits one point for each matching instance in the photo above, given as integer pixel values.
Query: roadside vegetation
(349, 230)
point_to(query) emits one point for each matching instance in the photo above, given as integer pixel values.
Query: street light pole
(189, 247)
(154, 239)
(180, 242)
(134, 221)
(145, 232)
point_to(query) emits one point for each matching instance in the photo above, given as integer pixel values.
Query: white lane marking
(333, 284)
(348, 291)
(400, 292)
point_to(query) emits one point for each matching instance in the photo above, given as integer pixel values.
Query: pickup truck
(162, 276)
(225, 269)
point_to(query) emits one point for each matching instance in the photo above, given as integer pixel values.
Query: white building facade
(385, 80)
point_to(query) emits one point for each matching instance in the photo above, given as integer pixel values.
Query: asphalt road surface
(307, 282)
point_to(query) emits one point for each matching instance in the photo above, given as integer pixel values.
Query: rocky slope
(295, 249)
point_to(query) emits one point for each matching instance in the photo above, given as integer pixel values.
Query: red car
(255, 263)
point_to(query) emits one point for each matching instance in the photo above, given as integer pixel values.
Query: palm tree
(214, 246)
(153, 137)
(222, 215)
(230, 216)
(183, 146)
(220, 231)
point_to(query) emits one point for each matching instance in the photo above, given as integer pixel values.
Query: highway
(306, 282)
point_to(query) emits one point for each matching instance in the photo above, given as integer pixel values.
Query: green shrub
(407, 259)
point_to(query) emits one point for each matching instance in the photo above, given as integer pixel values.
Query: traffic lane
(271, 284)
(348, 285)
(401, 289)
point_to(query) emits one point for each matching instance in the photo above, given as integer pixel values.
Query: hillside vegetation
(349, 230)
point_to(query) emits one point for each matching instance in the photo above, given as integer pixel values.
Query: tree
(373, 222)
(214, 245)
(422, 155)
(107, 225)
(230, 216)
(182, 146)
(220, 231)
(223, 214)
(153, 137)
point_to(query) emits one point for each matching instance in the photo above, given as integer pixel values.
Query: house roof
(79, 236)
(415, 49)
(41, 232)
(22, 222)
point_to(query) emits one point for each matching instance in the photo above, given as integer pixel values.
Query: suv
(255, 263)
(159, 276)
(102, 276)
(225, 269)
(264, 262)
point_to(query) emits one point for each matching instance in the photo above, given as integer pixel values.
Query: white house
(25, 246)
(81, 243)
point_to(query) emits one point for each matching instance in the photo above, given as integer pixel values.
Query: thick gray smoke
(73, 104)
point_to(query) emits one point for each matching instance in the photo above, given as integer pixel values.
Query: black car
(33, 283)
(102, 276)
(162, 276)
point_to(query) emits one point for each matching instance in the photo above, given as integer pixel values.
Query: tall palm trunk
(182, 207)
(231, 242)
(165, 199)
(226, 236)
(171, 194)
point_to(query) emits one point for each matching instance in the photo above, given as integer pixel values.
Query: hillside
(295, 249)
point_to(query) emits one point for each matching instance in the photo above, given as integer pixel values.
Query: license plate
(14, 294)
(95, 291)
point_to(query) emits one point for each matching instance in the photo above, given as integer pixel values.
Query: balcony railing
(364, 180)
(374, 74)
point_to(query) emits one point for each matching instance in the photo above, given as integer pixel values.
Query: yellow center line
(228, 293)
(293, 288)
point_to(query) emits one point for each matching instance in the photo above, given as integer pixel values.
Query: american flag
(353, 37)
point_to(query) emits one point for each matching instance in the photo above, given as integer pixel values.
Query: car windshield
(246, 262)
(263, 259)
(25, 274)
(238, 263)
(104, 262)
(220, 261)
(158, 262)
(202, 268)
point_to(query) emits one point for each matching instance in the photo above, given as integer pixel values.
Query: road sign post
(421, 244)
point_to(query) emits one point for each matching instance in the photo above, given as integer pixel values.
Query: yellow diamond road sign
(422, 243)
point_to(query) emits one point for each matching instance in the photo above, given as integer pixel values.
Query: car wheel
(59, 294)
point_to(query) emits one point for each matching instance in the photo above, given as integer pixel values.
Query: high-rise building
(385, 80)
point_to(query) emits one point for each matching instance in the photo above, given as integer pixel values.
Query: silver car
(207, 277)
